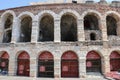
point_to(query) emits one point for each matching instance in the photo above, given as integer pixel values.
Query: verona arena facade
(83, 39)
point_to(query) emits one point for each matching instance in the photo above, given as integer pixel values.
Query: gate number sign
(65, 68)
(42, 68)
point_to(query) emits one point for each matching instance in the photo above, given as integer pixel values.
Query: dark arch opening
(25, 29)
(92, 36)
(23, 64)
(68, 28)
(8, 29)
(111, 25)
(45, 65)
(91, 22)
(69, 65)
(46, 29)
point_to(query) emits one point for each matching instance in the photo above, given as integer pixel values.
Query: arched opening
(23, 64)
(91, 25)
(93, 62)
(45, 65)
(8, 29)
(115, 61)
(46, 29)
(68, 28)
(4, 63)
(91, 22)
(69, 65)
(92, 36)
(111, 26)
(25, 29)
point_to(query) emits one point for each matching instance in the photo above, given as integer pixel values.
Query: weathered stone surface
(103, 44)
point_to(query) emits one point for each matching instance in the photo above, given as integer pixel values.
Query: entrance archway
(45, 65)
(93, 62)
(23, 64)
(4, 63)
(69, 65)
(115, 61)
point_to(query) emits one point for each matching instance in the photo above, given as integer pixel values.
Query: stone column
(1, 29)
(15, 30)
(35, 30)
(33, 67)
(118, 28)
(103, 27)
(57, 64)
(57, 68)
(82, 67)
(12, 69)
(57, 35)
(80, 30)
(105, 65)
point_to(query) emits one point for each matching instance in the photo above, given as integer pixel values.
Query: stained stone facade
(59, 28)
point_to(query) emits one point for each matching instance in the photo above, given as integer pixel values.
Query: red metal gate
(115, 61)
(69, 65)
(23, 68)
(4, 63)
(45, 65)
(93, 62)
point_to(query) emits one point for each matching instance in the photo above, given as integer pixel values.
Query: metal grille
(45, 68)
(69, 68)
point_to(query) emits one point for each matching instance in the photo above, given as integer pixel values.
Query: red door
(70, 68)
(93, 62)
(115, 61)
(23, 64)
(4, 63)
(23, 68)
(46, 65)
(69, 65)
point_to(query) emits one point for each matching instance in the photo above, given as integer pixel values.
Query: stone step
(95, 76)
(96, 79)
(32, 78)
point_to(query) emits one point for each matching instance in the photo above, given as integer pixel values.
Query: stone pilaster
(35, 30)
(57, 35)
(57, 68)
(82, 67)
(33, 67)
(57, 63)
(1, 30)
(103, 27)
(105, 65)
(118, 28)
(80, 30)
(15, 30)
(12, 69)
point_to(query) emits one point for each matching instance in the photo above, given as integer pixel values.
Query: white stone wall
(57, 49)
